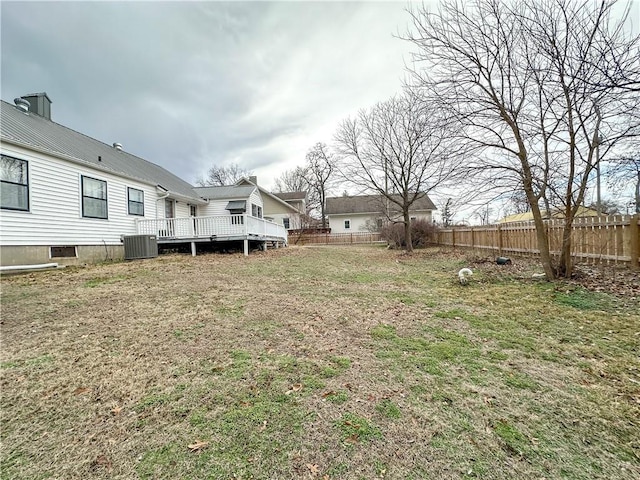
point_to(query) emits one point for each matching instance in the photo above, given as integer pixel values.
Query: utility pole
(598, 199)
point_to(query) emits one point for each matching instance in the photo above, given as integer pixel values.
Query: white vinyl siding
(55, 216)
(219, 207)
(358, 221)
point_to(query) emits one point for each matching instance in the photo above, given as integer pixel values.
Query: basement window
(62, 252)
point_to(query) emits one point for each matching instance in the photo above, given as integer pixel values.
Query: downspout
(40, 266)
(161, 198)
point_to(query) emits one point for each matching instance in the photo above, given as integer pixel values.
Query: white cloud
(186, 85)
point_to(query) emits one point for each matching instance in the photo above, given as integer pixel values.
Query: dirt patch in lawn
(314, 363)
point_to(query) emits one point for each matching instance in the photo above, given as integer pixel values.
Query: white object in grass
(463, 274)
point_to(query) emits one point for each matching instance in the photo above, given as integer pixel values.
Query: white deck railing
(218, 226)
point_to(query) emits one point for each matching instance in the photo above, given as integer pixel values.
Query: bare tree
(448, 213)
(396, 150)
(223, 175)
(528, 83)
(518, 202)
(294, 180)
(625, 170)
(320, 169)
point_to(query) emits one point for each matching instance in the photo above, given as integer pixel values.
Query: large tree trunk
(407, 231)
(565, 265)
(542, 236)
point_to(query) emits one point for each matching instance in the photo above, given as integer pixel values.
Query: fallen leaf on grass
(294, 388)
(328, 394)
(198, 445)
(81, 390)
(313, 468)
(103, 461)
(264, 426)
(352, 438)
(116, 410)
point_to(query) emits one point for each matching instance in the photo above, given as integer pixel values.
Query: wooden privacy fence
(614, 238)
(336, 238)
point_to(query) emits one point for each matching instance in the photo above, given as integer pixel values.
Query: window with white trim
(286, 223)
(135, 200)
(14, 180)
(256, 210)
(169, 208)
(347, 224)
(94, 198)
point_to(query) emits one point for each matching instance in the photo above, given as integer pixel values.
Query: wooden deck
(220, 228)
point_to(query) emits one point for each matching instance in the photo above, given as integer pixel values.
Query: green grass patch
(337, 397)
(385, 332)
(582, 299)
(357, 429)
(97, 281)
(388, 409)
(513, 440)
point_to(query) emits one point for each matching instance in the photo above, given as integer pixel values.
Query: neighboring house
(298, 201)
(68, 198)
(349, 214)
(555, 214)
(284, 209)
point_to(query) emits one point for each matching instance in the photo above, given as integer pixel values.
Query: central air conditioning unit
(140, 246)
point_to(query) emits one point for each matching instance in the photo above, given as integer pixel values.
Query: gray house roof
(263, 191)
(225, 193)
(291, 196)
(370, 204)
(38, 133)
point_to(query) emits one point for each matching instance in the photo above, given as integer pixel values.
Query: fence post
(634, 231)
(473, 242)
(453, 237)
(499, 230)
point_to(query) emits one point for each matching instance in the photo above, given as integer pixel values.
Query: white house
(68, 198)
(298, 202)
(366, 213)
(284, 209)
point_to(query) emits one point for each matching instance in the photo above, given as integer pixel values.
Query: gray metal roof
(35, 132)
(291, 195)
(225, 193)
(370, 204)
(237, 205)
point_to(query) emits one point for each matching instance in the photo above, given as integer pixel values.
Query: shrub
(422, 234)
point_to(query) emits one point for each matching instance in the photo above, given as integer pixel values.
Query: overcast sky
(191, 84)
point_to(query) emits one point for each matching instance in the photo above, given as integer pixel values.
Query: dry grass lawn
(326, 363)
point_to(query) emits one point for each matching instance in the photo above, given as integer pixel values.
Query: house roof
(291, 195)
(370, 204)
(246, 181)
(225, 192)
(37, 133)
(528, 216)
